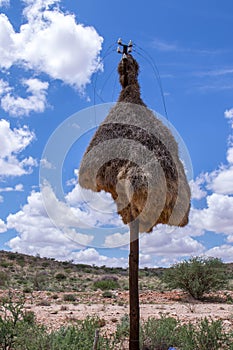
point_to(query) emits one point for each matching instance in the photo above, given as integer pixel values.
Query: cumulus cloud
(100, 206)
(224, 252)
(176, 242)
(16, 188)
(92, 257)
(44, 163)
(38, 234)
(12, 143)
(220, 180)
(4, 2)
(85, 211)
(117, 240)
(165, 245)
(217, 217)
(229, 114)
(45, 218)
(196, 186)
(51, 42)
(4, 87)
(3, 227)
(35, 102)
(62, 214)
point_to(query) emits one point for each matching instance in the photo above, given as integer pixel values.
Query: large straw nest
(135, 157)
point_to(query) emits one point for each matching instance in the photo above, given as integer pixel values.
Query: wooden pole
(96, 339)
(133, 286)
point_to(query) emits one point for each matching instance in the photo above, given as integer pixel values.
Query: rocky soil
(53, 311)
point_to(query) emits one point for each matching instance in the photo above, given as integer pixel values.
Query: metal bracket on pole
(126, 48)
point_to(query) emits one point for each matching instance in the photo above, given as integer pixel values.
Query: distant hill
(28, 273)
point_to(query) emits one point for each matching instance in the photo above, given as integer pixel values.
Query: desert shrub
(197, 276)
(3, 278)
(206, 335)
(45, 264)
(122, 330)
(11, 318)
(40, 281)
(166, 332)
(44, 302)
(69, 297)
(106, 284)
(60, 276)
(160, 333)
(107, 294)
(29, 317)
(6, 264)
(80, 337)
(55, 296)
(19, 331)
(27, 290)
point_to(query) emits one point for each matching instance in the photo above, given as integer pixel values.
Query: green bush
(107, 294)
(3, 278)
(207, 335)
(197, 276)
(106, 284)
(19, 331)
(69, 297)
(60, 276)
(27, 290)
(160, 333)
(123, 327)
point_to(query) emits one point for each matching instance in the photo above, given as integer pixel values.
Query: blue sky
(58, 76)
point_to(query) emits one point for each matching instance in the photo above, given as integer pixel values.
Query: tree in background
(197, 276)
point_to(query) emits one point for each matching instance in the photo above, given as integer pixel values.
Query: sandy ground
(55, 313)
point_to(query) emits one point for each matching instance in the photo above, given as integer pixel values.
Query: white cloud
(38, 234)
(172, 242)
(220, 180)
(45, 212)
(93, 257)
(4, 2)
(165, 245)
(165, 46)
(3, 227)
(51, 42)
(196, 187)
(35, 102)
(4, 87)
(117, 240)
(229, 114)
(100, 206)
(12, 143)
(230, 238)
(217, 217)
(230, 155)
(224, 252)
(215, 72)
(16, 188)
(102, 201)
(7, 46)
(62, 214)
(46, 164)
